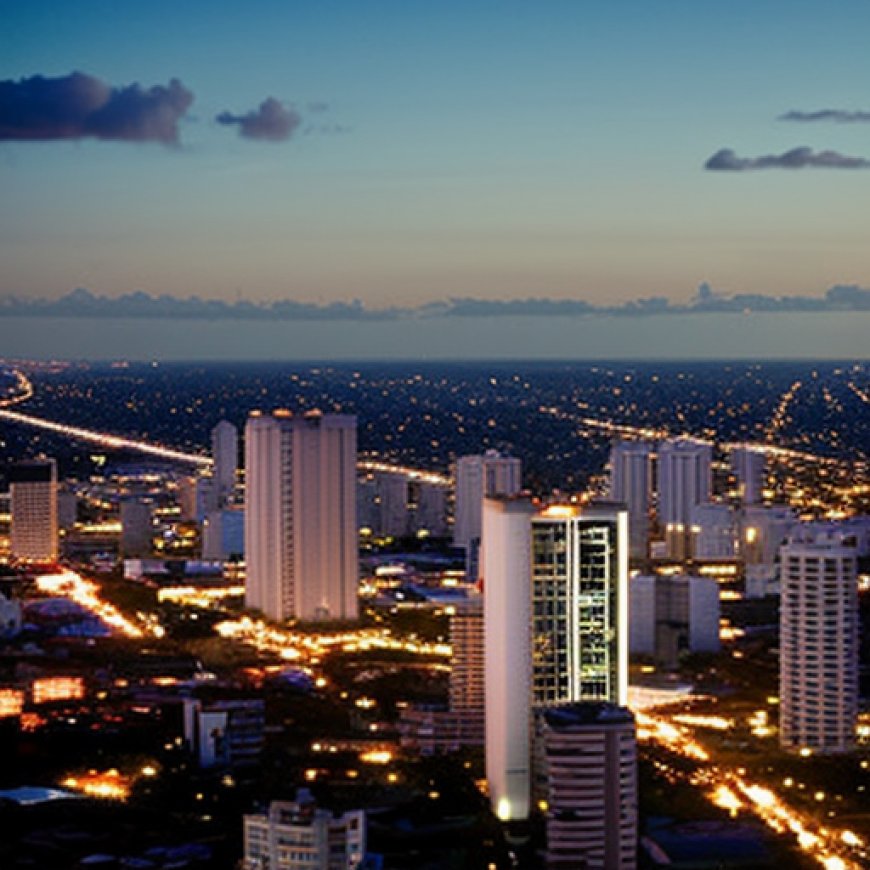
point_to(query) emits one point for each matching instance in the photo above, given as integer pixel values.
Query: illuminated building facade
(580, 605)
(301, 544)
(588, 769)
(555, 587)
(33, 506)
(818, 680)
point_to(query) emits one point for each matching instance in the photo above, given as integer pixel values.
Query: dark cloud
(272, 121)
(83, 303)
(80, 106)
(797, 158)
(838, 116)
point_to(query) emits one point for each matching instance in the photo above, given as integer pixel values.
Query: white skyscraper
(818, 679)
(225, 453)
(506, 558)
(301, 545)
(685, 479)
(631, 484)
(556, 625)
(33, 501)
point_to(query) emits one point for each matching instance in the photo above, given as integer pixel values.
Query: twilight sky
(405, 152)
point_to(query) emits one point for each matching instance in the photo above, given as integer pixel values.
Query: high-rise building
(747, 466)
(225, 453)
(33, 505)
(299, 835)
(580, 605)
(301, 545)
(685, 479)
(631, 484)
(818, 679)
(466, 686)
(506, 562)
(673, 615)
(556, 625)
(588, 770)
(479, 477)
(224, 733)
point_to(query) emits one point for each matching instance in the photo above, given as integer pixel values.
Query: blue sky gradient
(486, 149)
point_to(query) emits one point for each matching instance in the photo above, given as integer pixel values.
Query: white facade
(225, 453)
(818, 680)
(748, 466)
(673, 614)
(555, 626)
(33, 505)
(301, 545)
(506, 567)
(685, 479)
(713, 531)
(589, 769)
(478, 477)
(631, 484)
(297, 835)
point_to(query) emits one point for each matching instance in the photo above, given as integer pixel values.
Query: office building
(818, 680)
(685, 479)
(588, 771)
(299, 835)
(479, 477)
(580, 604)
(673, 615)
(555, 624)
(301, 545)
(33, 505)
(631, 477)
(748, 467)
(225, 454)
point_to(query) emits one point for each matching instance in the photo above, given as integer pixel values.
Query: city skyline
(406, 156)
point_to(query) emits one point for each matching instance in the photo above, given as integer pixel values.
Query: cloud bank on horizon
(837, 116)
(797, 158)
(83, 304)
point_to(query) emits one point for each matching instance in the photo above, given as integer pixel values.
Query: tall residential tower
(301, 544)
